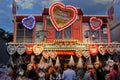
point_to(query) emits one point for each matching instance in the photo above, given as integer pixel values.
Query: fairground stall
(62, 34)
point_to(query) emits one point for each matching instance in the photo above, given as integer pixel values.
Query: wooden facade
(77, 29)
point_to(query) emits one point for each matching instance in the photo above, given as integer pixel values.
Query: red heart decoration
(29, 49)
(95, 23)
(111, 49)
(102, 49)
(62, 16)
(93, 49)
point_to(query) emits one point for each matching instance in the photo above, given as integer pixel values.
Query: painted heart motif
(29, 22)
(79, 53)
(95, 23)
(21, 49)
(11, 49)
(29, 49)
(111, 49)
(85, 54)
(118, 49)
(53, 54)
(37, 49)
(46, 54)
(93, 49)
(102, 49)
(62, 16)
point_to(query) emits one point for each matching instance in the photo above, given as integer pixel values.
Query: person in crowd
(52, 73)
(99, 73)
(114, 74)
(41, 74)
(90, 73)
(80, 73)
(69, 74)
(31, 72)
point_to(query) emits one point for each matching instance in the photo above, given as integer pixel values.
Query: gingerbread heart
(62, 16)
(29, 49)
(111, 49)
(46, 54)
(85, 54)
(102, 49)
(118, 49)
(21, 49)
(79, 53)
(93, 49)
(95, 23)
(29, 22)
(11, 49)
(37, 49)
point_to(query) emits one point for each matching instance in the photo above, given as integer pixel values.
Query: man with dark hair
(114, 74)
(69, 74)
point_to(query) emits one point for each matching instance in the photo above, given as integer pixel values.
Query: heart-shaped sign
(29, 49)
(53, 54)
(11, 49)
(37, 49)
(111, 49)
(102, 49)
(95, 23)
(29, 22)
(45, 54)
(21, 49)
(62, 16)
(79, 53)
(93, 49)
(85, 54)
(118, 49)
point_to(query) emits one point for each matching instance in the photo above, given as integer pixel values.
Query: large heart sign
(29, 22)
(62, 16)
(95, 23)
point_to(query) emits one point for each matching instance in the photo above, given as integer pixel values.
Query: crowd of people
(43, 71)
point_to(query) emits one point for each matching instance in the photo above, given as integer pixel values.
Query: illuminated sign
(95, 23)
(62, 16)
(29, 22)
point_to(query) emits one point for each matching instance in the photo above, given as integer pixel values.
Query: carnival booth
(61, 35)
